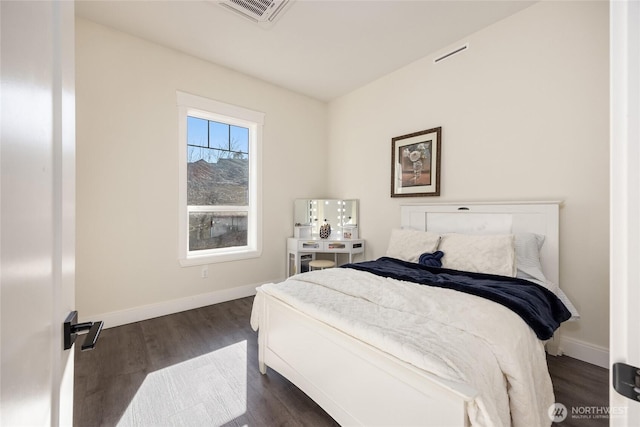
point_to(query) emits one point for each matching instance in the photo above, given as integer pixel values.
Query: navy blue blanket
(537, 306)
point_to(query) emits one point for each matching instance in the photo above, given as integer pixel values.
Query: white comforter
(453, 335)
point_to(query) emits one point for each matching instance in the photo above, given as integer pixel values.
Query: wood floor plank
(200, 367)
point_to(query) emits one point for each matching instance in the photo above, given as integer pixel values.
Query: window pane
(219, 135)
(197, 131)
(201, 153)
(239, 139)
(216, 178)
(214, 230)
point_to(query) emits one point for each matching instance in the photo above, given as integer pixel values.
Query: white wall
(524, 115)
(127, 173)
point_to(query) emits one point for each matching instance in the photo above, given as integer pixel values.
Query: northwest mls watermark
(558, 412)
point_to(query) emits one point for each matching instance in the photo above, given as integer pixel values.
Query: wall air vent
(451, 53)
(262, 12)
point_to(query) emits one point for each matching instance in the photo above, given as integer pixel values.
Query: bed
(381, 348)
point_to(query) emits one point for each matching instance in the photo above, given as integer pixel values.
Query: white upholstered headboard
(493, 218)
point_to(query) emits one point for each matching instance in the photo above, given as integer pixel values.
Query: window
(219, 181)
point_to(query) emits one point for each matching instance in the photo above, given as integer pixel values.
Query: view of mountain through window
(217, 184)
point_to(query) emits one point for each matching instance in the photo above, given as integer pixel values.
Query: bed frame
(358, 384)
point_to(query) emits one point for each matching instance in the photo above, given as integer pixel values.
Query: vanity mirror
(339, 214)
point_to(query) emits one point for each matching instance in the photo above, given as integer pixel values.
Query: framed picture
(415, 164)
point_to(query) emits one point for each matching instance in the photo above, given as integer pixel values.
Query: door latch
(626, 380)
(71, 327)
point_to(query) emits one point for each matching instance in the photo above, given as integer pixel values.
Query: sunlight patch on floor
(208, 390)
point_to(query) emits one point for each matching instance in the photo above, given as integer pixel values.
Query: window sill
(215, 258)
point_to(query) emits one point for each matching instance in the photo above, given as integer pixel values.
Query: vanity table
(309, 216)
(300, 251)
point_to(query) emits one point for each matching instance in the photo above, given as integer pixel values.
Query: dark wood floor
(200, 367)
(582, 388)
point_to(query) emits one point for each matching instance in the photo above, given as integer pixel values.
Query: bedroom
(126, 124)
(126, 203)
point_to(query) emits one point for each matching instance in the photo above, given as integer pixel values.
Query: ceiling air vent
(263, 12)
(451, 53)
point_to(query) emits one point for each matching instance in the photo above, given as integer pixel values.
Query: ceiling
(320, 48)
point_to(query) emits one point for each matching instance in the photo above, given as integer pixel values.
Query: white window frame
(197, 106)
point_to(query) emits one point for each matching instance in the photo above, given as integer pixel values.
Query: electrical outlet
(205, 272)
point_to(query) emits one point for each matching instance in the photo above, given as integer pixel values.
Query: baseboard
(594, 354)
(137, 314)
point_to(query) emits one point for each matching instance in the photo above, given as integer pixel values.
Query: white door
(625, 199)
(37, 158)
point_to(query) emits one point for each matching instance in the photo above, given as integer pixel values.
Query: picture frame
(415, 164)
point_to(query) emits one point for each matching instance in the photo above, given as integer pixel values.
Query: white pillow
(408, 245)
(491, 254)
(528, 247)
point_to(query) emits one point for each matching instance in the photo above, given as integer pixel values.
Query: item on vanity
(302, 230)
(325, 231)
(349, 231)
